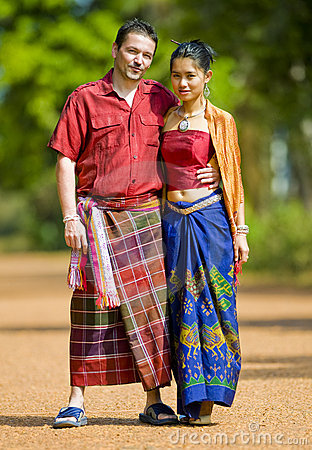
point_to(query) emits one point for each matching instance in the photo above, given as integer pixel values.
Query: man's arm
(75, 233)
(209, 175)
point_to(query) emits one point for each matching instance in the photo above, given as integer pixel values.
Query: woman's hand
(209, 175)
(241, 249)
(75, 235)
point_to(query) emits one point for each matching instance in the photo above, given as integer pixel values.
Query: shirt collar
(106, 85)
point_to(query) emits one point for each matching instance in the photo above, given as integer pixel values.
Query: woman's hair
(201, 53)
(136, 26)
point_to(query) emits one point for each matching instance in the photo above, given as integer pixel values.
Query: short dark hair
(199, 51)
(136, 26)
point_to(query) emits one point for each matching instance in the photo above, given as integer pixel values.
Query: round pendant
(184, 125)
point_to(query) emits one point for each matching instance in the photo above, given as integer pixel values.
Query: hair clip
(175, 42)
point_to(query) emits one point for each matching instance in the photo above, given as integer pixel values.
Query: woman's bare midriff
(189, 195)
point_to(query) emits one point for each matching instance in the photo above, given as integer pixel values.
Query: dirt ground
(273, 403)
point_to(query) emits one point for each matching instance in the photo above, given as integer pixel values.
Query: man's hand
(210, 176)
(75, 235)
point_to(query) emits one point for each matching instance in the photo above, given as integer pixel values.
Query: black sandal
(153, 412)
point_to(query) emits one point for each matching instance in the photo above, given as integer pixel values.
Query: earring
(206, 91)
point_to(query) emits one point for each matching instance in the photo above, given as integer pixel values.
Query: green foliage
(262, 75)
(280, 240)
(44, 219)
(226, 86)
(32, 219)
(46, 53)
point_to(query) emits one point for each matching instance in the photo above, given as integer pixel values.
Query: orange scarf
(223, 133)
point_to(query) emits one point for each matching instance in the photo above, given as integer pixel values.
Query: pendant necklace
(184, 125)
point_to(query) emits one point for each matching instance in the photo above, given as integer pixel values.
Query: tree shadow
(115, 421)
(297, 324)
(33, 329)
(40, 421)
(25, 421)
(277, 367)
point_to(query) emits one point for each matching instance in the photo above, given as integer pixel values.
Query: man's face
(134, 56)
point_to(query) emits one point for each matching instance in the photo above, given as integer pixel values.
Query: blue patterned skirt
(202, 296)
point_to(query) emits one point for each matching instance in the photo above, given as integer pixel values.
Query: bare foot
(206, 408)
(153, 397)
(161, 415)
(204, 414)
(76, 400)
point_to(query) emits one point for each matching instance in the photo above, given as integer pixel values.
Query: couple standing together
(132, 317)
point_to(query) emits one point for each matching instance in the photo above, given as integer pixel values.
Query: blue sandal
(66, 413)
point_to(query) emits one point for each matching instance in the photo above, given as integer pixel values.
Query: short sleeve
(173, 100)
(69, 135)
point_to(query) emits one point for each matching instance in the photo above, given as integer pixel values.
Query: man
(108, 137)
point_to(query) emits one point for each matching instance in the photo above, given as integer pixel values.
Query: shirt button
(133, 134)
(134, 156)
(133, 181)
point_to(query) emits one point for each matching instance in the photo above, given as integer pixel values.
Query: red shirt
(183, 154)
(115, 146)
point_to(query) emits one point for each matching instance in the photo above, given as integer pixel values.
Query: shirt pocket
(107, 137)
(151, 125)
(108, 131)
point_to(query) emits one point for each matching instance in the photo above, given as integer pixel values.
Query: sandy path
(273, 403)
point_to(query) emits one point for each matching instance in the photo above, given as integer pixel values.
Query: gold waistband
(209, 201)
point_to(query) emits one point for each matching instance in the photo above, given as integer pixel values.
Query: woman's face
(188, 80)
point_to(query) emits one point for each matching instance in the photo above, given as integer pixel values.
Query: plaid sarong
(129, 343)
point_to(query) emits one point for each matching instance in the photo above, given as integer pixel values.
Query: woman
(205, 236)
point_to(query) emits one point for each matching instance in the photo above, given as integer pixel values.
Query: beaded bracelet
(69, 218)
(242, 231)
(243, 227)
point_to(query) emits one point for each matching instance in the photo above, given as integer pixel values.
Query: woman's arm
(75, 233)
(241, 248)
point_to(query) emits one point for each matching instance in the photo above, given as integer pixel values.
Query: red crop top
(185, 153)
